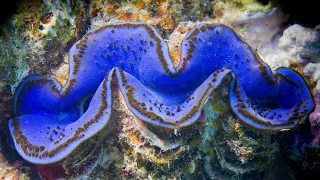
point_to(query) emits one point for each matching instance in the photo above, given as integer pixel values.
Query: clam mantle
(51, 120)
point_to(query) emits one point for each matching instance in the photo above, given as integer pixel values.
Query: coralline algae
(51, 121)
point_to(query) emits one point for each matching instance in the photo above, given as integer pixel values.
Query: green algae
(13, 56)
(254, 5)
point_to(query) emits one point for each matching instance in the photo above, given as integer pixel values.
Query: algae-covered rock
(35, 36)
(231, 148)
(165, 14)
(11, 172)
(254, 5)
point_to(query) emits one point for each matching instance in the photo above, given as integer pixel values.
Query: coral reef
(165, 14)
(150, 152)
(33, 41)
(35, 37)
(11, 172)
(232, 149)
(128, 152)
(220, 144)
(256, 28)
(144, 158)
(304, 48)
(174, 100)
(261, 29)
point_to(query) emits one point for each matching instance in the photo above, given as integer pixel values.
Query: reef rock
(10, 172)
(261, 29)
(312, 70)
(301, 43)
(276, 61)
(35, 36)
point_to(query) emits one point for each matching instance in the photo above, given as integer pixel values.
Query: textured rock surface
(10, 172)
(261, 29)
(312, 70)
(35, 36)
(166, 14)
(302, 44)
